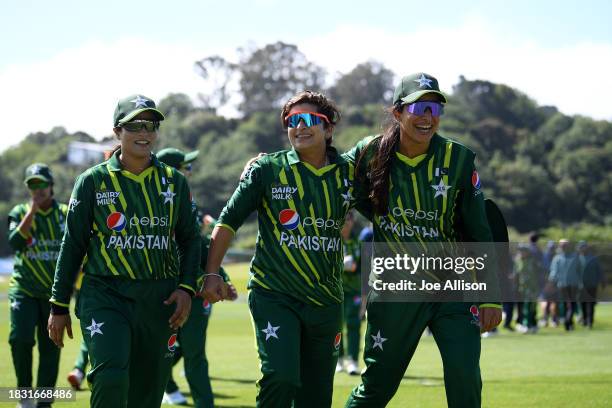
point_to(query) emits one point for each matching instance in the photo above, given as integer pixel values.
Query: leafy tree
(368, 83)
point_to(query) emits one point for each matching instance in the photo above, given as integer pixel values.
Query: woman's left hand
(183, 308)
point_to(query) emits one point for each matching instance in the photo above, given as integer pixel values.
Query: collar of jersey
(430, 150)
(332, 155)
(48, 210)
(115, 165)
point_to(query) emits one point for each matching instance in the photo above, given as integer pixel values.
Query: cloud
(575, 78)
(79, 87)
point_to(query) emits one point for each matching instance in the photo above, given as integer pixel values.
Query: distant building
(81, 153)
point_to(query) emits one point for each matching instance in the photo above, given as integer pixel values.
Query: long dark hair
(378, 169)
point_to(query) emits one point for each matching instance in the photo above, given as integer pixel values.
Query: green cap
(175, 157)
(39, 171)
(412, 87)
(131, 106)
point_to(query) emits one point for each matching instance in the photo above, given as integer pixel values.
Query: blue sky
(62, 53)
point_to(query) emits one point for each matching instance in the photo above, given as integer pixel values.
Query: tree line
(545, 169)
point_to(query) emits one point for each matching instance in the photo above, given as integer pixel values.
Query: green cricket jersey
(351, 281)
(125, 223)
(301, 211)
(437, 199)
(36, 253)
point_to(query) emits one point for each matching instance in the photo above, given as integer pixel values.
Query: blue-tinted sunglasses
(309, 118)
(419, 108)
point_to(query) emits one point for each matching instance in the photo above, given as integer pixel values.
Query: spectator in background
(526, 269)
(548, 306)
(591, 279)
(565, 273)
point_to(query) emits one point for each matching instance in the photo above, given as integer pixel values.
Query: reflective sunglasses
(38, 185)
(138, 125)
(419, 108)
(309, 118)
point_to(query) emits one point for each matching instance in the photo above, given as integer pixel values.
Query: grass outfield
(550, 369)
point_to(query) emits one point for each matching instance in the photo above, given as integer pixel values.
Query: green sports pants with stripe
(29, 317)
(393, 333)
(192, 347)
(298, 347)
(131, 346)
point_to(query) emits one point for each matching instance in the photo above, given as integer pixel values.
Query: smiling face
(137, 145)
(418, 129)
(308, 139)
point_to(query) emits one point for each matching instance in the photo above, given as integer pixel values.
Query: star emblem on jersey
(140, 102)
(271, 331)
(15, 305)
(423, 81)
(441, 188)
(347, 198)
(94, 327)
(168, 195)
(378, 340)
(73, 204)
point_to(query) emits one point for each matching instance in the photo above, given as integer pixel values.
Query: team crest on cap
(475, 180)
(116, 221)
(140, 102)
(423, 81)
(289, 219)
(172, 342)
(337, 341)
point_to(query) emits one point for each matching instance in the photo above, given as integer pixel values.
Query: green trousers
(29, 318)
(131, 346)
(352, 305)
(298, 347)
(192, 346)
(82, 357)
(392, 335)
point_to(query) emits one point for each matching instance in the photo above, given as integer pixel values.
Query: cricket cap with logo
(128, 108)
(412, 87)
(176, 157)
(38, 171)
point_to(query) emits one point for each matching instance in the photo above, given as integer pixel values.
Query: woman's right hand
(214, 288)
(56, 325)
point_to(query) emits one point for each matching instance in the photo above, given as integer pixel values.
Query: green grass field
(550, 369)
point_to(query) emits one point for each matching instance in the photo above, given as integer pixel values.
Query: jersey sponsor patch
(116, 221)
(283, 192)
(72, 204)
(474, 311)
(337, 341)
(107, 197)
(289, 219)
(172, 342)
(475, 180)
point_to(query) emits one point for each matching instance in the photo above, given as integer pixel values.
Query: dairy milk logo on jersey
(107, 197)
(283, 192)
(116, 221)
(289, 219)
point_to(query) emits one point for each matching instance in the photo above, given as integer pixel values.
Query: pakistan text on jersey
(405, 230)
(311, 243)
(42, 256)
(107, 197)
(138, 242)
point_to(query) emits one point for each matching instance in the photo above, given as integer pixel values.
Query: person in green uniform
(192, 336)
(123, 216)
(351, 285)
(34, 233)
(301, 197)
(417, 186)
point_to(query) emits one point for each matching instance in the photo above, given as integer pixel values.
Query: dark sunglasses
(138, 125)
(309, 118)
(38, 186)
(187, 167)
(419, 108)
